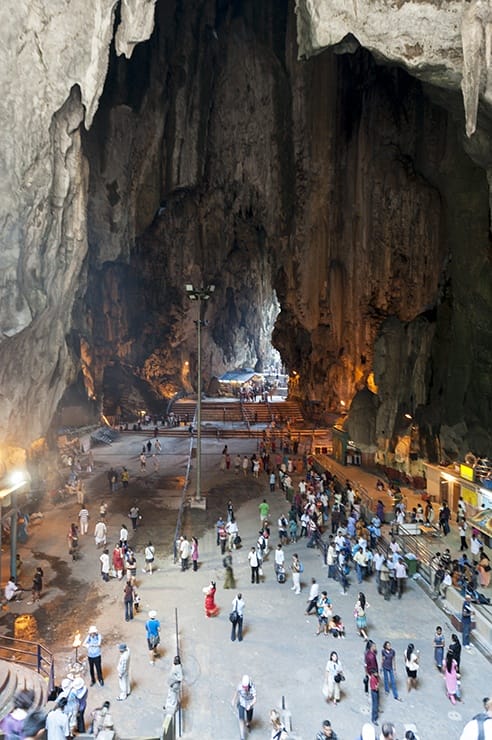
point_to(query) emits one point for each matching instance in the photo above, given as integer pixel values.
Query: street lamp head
(17, 477)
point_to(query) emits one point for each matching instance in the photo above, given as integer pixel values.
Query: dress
(438, 649)
(211, 608)
(331, 688)
(360, 617)
(451, 679)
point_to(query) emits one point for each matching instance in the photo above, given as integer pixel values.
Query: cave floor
(280, 649)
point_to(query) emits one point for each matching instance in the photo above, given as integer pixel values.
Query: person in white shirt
(254, 565)
(232, 531)
(313, 596)
(84, 520)
(279, 558)
(237, 626)
(184, 552)
(12, 591)
(471, 730)
(445, 583)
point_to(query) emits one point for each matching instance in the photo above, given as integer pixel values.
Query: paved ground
(280, 650)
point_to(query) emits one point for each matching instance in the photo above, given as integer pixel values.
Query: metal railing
(30, 654)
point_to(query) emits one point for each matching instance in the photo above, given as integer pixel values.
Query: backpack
(301, 567)
(481, 719)
(261, 542)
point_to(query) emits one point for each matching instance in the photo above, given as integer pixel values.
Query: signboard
(469, 495)
(466, 472)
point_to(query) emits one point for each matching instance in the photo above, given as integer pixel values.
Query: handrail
(42, 658)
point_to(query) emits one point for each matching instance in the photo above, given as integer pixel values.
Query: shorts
(245, 714)
(411, 674)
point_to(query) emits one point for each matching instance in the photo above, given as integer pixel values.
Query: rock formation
(313, 165)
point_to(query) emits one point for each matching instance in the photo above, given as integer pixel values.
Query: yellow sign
(469, 495)
(466, 472)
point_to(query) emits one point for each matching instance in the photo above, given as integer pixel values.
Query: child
(374, 687)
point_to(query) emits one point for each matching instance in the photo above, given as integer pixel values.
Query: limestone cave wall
(338, 189)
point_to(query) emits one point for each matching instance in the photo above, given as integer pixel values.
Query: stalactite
(476, 35)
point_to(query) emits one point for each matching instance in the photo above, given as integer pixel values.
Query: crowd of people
(325, 513)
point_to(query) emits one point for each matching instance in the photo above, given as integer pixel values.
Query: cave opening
(317, 196)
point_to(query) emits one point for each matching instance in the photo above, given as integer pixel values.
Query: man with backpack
(480, 727)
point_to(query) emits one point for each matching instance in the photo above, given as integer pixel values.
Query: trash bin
(412, 564)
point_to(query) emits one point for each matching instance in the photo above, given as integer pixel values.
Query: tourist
(57, 722)
(37, 585)
(84, 520)
(229, 580)
(313, 597)
(118, 562)
(360, 615)
(100, 531)
(451, 675)
(184, 552)
(93, 644)
(466, 617)
(149, 555)
(81, 692)
(333, 678)
(105, 564)
(439, 643)
(128, 598)
(174, 681)
(278, 730)
(211, 608)
(237, 624)
(264, 509)
(102, 720)
(123, 671)
(12, 724)
(12, 591)
(374, 689)
(244, 700)
(194, 553)
(152, 628)
(388, 660)
(484, 569)
(296, 574)
(411, 666)
(254, 565)
(336, 627)
(326, 731)
(134, 515)
(480, 727)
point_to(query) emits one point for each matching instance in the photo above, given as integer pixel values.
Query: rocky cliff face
(338, 191)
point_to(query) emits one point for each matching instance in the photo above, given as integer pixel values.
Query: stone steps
(14, 677)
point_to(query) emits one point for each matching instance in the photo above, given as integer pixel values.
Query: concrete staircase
(15, 677)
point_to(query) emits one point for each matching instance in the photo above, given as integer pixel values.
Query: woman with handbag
(333, 678)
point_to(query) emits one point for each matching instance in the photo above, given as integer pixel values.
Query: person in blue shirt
(153, 626)
(93, 644)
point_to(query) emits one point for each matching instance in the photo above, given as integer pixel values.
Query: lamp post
(200, 295)
(17, 481)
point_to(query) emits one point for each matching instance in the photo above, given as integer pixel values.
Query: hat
(368, 732)
(152, 614)
(245, 680)
(122, 646)
(78, 687)
(66, 684)
(92, 629)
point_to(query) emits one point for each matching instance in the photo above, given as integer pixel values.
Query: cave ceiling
(324, 164)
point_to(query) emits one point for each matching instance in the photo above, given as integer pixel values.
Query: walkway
(280, 650)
